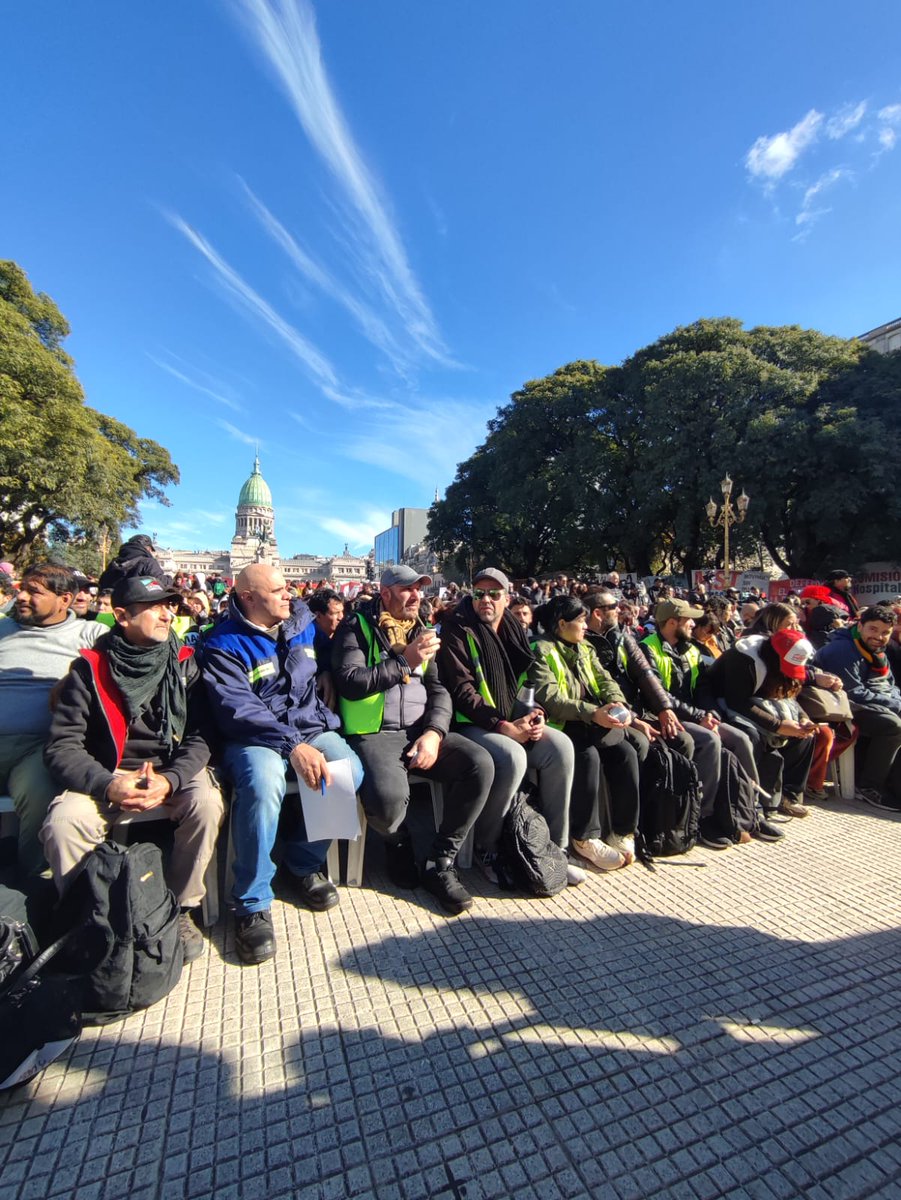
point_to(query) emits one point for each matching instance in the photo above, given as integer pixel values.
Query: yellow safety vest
(481, 681)
(366, 715)
(664, 663)
(565, 678)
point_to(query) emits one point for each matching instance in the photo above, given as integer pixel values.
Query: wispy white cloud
(808, 214)
(372, 326)
(424, 442)
(216, 392)
(771, 157)
(315, 362)
(848, 117)
(285, 31)
(239, 435)
(887, 137)
(358, 534)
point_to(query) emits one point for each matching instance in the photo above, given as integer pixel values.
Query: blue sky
(349, 230)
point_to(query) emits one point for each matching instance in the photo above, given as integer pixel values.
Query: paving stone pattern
(726, 1026)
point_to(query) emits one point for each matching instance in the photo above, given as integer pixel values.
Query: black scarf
(143, 673)
(506, 655)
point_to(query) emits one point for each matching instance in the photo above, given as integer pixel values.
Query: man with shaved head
(260, 670)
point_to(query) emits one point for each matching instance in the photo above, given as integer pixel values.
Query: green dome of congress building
(254, 539)
(255, 492)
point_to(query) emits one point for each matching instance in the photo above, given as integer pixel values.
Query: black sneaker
(316, 891)
(255, 937)
(440, 878)
(713, 840)
(191, 937)
(400, 862)
(876, 799)
(767, 832)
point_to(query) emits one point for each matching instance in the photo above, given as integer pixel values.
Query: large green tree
(68, 474)
(595, 464)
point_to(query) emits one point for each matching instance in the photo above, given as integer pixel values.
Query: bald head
(263, 595)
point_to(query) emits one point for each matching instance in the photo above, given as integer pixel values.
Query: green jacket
(560, 674)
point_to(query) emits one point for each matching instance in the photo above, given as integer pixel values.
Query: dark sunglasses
(494, 593)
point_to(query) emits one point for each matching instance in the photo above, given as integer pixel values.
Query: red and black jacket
(90, 736)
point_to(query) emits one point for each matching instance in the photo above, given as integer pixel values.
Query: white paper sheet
(334, 815)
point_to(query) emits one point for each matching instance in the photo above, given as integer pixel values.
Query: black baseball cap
(142, 589)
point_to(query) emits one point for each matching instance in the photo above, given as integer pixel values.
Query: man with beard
(37, 644)
(396, 714)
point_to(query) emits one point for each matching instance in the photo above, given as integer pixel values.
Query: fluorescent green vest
(566, 679)
(366, 715)
(481, 681)
(664, 663)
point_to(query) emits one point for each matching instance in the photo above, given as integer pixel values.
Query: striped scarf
(878, 662)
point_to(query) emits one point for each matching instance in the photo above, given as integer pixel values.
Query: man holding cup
(396, 715)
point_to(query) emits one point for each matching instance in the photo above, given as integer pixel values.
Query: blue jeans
(259, 776)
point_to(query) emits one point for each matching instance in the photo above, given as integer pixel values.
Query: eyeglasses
(607, 607)
(494, 593)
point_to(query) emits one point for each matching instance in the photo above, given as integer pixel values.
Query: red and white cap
(794, 652)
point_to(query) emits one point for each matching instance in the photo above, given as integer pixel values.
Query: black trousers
(465, 770)
(614, 756)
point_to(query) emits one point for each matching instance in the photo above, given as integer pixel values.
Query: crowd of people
(138, 692)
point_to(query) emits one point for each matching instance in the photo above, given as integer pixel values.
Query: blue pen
(322, 784)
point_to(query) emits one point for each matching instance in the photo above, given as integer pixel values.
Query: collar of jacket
(299, 618)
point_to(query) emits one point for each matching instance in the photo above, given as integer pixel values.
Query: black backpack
(527, 859)
(121, 895)
(670, 802)
(40, 1012)
(735, 806)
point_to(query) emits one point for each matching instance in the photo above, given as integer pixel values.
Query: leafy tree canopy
(67, 472)
(594, 466)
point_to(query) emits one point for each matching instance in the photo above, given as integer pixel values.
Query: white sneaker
(599, 854)
(574, 875)
(624, 844)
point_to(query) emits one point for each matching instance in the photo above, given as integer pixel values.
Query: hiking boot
(767, 832)
(255, 937)
(791, 806)
(574, 874)
(486, 862)
(624, 844)
(817, 795)
(400, 862)
(601, 856)
(440, 878)
(191, 937)
(316, 891)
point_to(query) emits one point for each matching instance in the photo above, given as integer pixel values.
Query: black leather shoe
(316, 891)
(255, 938)
(400, 863)
(441, 880)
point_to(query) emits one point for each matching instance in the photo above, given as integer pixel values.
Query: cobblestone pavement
(724, 1026)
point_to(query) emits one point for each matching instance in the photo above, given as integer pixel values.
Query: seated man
(129, 733)
(483, 661)
(620, 654)
(327, 607)
(857, 656)
(37, 643)
(396, 714)
(259, 667)
(677, 664)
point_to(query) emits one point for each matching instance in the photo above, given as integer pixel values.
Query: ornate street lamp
(727, 516)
